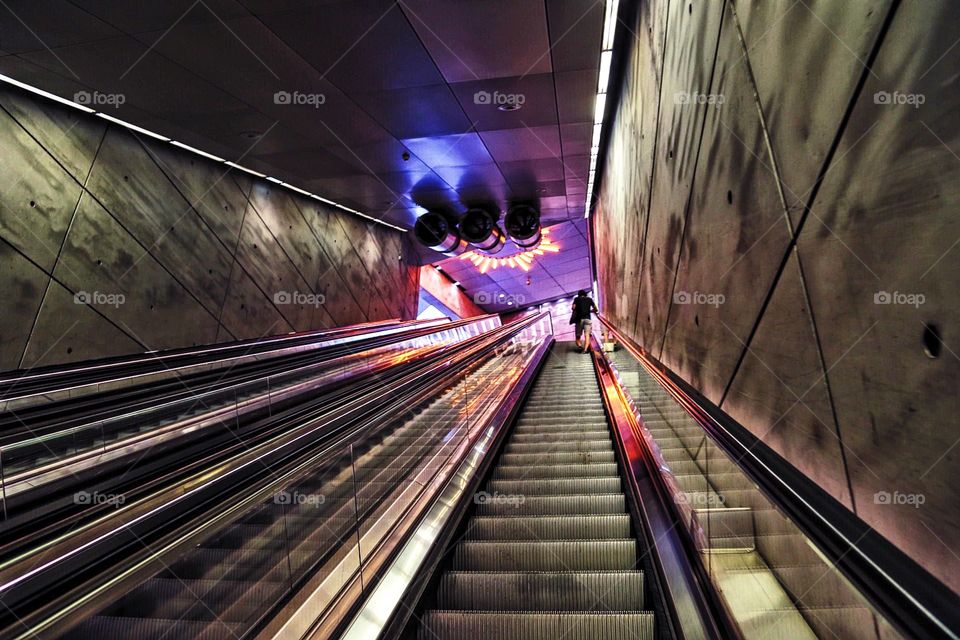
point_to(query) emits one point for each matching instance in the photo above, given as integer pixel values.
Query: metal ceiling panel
(416, 112)
(576, 138)
(481, 101)
(459, 150)
(528, 143)
(139, 17)
(576, 95)
(33, 25)
(471, 176)
(576, 28)
(472, 40)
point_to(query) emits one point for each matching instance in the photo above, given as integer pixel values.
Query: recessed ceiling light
(510, 106)
(251, 135)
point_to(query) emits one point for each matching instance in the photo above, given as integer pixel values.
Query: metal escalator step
(596, 444)
(99, 627)
(555, 486)
(556, 505)
(548, 439)
(592, 470)
(590, 527)
(545, 555)
(593, 591)
(482, 625)
(591, 401)
(552, 426)
(551, 457)
(561, 409)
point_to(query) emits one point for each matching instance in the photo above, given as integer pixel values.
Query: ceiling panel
(460, 150)
(416, 111)
(576, 95)
(576, 28)
(481, 101)
(530, 143)
(32, 25)
(472, 40)
(139, 17)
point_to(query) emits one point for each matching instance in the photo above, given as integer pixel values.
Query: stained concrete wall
(778, 223)
(112, 243)
(447, 293)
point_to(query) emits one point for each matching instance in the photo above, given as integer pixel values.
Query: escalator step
(549, 527)
(555, 486)
(155, 629)
(552, 457)
(481, 625)
(556, 505)
(593, 470)
(597, 444)
(553, 426)
(542, 591)
(545, 555)
(547, 441)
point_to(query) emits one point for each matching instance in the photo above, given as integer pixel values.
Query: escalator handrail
(683, 583)
(901, 590)
(86, 539)
(21, 385)
(223, 383)
(217, 415)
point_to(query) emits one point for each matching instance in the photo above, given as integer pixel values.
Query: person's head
(581, 293)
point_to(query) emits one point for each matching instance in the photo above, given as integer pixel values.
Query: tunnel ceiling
(329, 95)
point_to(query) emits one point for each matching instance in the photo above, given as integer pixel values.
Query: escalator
(216, 591)
(550, 551)
(507, 486)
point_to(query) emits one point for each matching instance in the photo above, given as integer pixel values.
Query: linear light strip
(186, 147)
(606, 60)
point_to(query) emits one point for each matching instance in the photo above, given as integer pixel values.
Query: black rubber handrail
(901, 591)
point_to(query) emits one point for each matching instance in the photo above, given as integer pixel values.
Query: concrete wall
(447, 293)
(760, 205)
(112, 243)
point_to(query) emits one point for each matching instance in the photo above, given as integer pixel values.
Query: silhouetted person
(583, 305)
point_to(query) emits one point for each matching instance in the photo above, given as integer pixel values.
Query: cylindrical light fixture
(523, 225)
(434, 230)
(479, 228)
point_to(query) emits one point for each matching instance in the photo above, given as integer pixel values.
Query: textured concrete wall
(445, 291)
(778, 172)
(112, 243)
